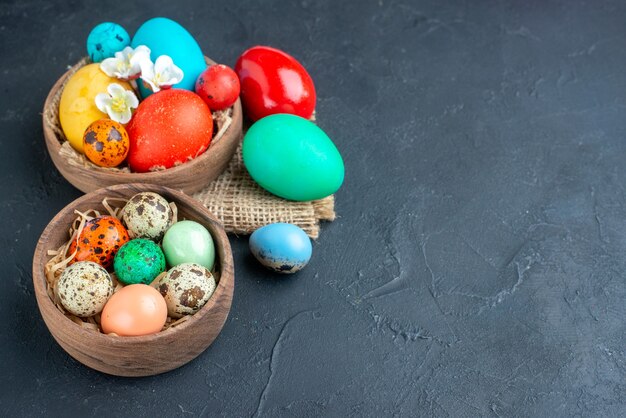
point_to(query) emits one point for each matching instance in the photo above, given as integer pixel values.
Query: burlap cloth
(242, 206)
(234, 198)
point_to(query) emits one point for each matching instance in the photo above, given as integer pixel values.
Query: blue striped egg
(282, 247)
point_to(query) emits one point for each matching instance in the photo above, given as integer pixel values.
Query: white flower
(118, 103)
(161, 75)
(127, 63)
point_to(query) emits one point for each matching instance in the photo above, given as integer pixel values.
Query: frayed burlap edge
(234, 198)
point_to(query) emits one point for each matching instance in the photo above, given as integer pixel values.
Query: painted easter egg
(137, 309)
(147, 215)
(189, 242)
(186, 288)
(291, 157)
(106, 143)
(84, 288)
(77, 107)
(168, 129)
(282, 247)
(218, 86)
(139, 261)
(99, 241)
(273, 81)
(105, 40)
(166, 37)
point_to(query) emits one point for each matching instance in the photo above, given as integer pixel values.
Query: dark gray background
(477, 264)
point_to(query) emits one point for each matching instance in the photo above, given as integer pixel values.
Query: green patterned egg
(139, 261)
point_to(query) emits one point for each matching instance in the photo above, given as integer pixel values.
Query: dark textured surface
(477, 266)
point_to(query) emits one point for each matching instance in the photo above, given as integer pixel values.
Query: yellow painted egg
(77, 109)
(106, 143)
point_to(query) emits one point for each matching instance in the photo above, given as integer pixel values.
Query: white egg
(84, 288)
(147, 215)
(186, 288)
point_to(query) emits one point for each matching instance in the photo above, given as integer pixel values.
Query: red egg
(169, 128)
(99, 241)
(274, 82)
(218, 86)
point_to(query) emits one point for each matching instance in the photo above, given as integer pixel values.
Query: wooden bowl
(144, 355)
(189, 177)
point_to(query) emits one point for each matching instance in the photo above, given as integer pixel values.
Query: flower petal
(142, 50)
(147, 74)
(163, 63)
(168, 73)
(124, 117)
(172, 75)
(127, 51)
(155, 88)
(147, 69)
(130, 99)
(116, 116)
(103, 101)
(135, 65)
(140, 55)
(177, 74)
(115, 90)
(109, 66)
(121, 55)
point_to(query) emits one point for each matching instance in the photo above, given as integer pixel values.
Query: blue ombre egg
(105, 40)
(165, 37)
(284, 248)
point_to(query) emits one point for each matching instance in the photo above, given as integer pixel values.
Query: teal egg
(139, 261)
(189, 242)
(105, 40)
(282, 247)
(166, 37)
(293, 158)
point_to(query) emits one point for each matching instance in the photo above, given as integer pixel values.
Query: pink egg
(136, 309)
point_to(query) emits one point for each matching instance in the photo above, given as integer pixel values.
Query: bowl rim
(53, 142)
(223, 249)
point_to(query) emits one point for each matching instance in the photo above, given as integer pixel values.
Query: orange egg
(106, 143)
(136, 309)
(99, 241)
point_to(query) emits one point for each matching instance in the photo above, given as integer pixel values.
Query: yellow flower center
(118, 105)
(121, 66)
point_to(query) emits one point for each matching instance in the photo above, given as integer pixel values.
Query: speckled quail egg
(186, 288)
(147, 215)
(84, 288)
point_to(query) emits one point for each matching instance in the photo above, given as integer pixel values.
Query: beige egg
(186, 288)
(148, 215)
(84, 288)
